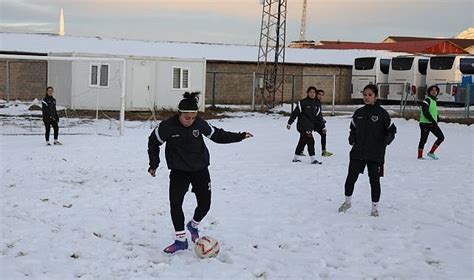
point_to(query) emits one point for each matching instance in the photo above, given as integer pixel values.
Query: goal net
(89, 93)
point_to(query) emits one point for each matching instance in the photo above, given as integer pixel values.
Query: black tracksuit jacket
(308, 112)
(371, 130)
(49, 109)
(185, 148)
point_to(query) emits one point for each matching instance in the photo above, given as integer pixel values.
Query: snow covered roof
(51, 43)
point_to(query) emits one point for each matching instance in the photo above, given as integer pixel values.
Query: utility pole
(271, 51)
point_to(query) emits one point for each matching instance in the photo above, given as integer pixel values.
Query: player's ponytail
(189, 103)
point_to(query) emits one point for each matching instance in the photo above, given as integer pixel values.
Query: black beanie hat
(189, 103)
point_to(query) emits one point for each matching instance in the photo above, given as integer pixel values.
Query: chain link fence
(231, 88)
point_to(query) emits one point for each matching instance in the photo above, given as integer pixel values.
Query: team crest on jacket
(196, 133)
(374, 118)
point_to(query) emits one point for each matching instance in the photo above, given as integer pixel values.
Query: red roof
(463, 43)
(422, 47)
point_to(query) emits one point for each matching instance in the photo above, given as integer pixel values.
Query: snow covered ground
(89, 210)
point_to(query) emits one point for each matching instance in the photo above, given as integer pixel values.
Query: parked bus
(370, 70)
(407, 71)
(444, 71)
(466, 66)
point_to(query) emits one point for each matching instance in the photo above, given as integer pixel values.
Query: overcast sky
(237, 21)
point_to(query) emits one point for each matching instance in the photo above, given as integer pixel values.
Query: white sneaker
(48, 144)
(296, 158)
(374, 213)
(56, 142)
(344, 207)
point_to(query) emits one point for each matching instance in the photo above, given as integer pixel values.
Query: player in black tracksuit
(50, 116)
(371, 130)
(308, 112)
(188, 159)
(320, 125)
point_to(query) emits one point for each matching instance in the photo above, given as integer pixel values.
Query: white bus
(407, 74)
(370, 70)
(443, 71)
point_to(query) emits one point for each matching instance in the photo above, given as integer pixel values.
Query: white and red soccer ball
(207, 247)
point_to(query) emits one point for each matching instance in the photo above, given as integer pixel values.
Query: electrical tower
(303, 22)
(271, 51)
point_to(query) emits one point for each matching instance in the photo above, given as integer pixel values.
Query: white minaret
(61, 23)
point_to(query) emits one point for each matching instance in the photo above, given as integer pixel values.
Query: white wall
(60, 78)
(166, 96)
(89, 97)
(141, 84)
(148, 83)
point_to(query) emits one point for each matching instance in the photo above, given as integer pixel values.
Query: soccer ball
(207, 247)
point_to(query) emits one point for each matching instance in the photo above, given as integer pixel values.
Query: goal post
(82, 83)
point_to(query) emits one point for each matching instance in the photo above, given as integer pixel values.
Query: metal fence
(233, 88)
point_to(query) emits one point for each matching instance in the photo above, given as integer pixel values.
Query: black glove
(245, 135)
(152, 171)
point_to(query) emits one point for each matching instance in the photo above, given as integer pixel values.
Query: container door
(142, 84)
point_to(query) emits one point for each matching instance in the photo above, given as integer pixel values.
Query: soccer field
(89, 209)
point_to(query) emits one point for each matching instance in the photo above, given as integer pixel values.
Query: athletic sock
(420, 153)
(374, 205)
(194, 224)
(181, 235)
(433, 148)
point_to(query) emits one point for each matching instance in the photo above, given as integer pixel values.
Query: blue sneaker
(194, 232)
(176, 246)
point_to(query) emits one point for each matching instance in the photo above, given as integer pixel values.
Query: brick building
(234, 82)
(22, 79)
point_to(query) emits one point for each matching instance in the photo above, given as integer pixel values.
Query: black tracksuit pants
(47, 125)
(323, 138)
(375, 170)
(425, 129)
(179, 186)
(306, 138)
